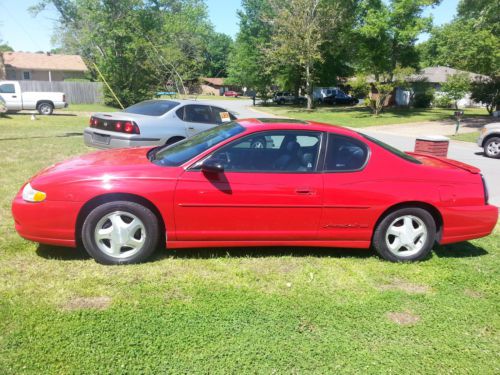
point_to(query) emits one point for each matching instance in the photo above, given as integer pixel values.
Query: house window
(26, 75)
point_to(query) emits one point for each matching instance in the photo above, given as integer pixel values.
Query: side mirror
(212, 166)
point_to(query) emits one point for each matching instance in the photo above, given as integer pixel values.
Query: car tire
(405, 235)
(259, 143)
(492, 147)
(120, 232)
(45, 108)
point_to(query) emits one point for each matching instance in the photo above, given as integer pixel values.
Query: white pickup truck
(43, 102)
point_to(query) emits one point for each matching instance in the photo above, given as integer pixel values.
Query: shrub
(423, 99)
(442, 101)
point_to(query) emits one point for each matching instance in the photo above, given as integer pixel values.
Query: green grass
(233, 310)
(362, 117)
(89, 108)
(466, 137)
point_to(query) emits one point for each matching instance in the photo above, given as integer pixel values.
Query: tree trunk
(309, 87)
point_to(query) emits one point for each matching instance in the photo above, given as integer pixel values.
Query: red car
(307, 184)
(231, 93)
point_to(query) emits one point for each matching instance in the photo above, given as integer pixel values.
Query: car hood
(493, 125)
(120, 163)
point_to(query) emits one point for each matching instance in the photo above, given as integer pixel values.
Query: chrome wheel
(45, 109)
(493, 148)
(406, 236)
(120, 234)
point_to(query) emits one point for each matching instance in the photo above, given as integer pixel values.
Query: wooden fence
(76, 92)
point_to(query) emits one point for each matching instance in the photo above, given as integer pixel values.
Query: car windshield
(152, 107)
(181, 152)
(392, 150)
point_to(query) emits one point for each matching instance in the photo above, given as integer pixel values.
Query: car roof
(257, 124)
(181, 101)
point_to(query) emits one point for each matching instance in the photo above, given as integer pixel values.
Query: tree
(484, 13)
(300, 29)
(4, 47)
(461, 45)
(387, 32)
(139, 46)
(487, 91)
(217, 51)
(381, 90)
(248, 65)
(456, 87)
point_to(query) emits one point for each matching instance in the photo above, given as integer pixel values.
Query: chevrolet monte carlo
(307, 184)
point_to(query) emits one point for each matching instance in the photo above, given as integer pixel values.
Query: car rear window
(392, 150)
(152, 107)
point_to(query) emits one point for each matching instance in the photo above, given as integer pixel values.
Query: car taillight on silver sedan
(128, 127)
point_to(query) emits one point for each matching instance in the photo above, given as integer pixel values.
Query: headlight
(32, 195)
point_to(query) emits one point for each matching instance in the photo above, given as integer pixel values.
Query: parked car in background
(153, 123)
(288, 98)
(231, 93)
(489, 140)
(340, 98)
(44, 102)
(319, 93)
(312, 185)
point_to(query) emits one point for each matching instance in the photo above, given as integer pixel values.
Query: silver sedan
(153, 123)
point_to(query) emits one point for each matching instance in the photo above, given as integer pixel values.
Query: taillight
(118, 126)
(485, 190)
(131, 128)
(93, 122)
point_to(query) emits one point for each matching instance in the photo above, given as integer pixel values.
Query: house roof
(214, 81)
(44, 61)
(439, 74)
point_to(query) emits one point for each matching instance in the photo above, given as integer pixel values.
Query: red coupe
(256, 182)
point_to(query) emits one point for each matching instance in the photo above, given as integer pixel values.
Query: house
(42, 66)
(435, 76)
(214, 86)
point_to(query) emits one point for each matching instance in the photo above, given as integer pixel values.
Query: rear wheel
(45, 108)
(492, 147)
(120, 232)
(407, 234)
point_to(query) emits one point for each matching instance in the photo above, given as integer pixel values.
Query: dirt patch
(405, 286)
(177, 294)
(473, 293)
(80, 303)
(305, 326)
(403, 318)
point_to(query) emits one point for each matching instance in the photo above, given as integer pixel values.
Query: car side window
(345, 154)
(197, 113)
(221, 116)
(273, 151)
(7, 88)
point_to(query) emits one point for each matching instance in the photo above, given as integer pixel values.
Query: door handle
(14, 96)
(191, 128)
(304, 191)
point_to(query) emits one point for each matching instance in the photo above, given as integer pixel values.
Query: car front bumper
(105, 140)
(47, 222)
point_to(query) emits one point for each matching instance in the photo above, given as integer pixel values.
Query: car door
(197, 117)
(271, 193)
(348, 194)
(12, 99)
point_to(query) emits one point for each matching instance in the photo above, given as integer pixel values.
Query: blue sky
(26, 33)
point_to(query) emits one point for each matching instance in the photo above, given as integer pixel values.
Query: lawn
(359, 117)
(466, 137)
(233, 311)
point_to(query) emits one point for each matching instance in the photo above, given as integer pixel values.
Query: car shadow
(65, 135)
(59, 114)
(61, 253)
(459, 250)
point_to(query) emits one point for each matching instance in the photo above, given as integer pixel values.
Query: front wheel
(405, 235)
(492, 148)
(45, 108)
(120, 232)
